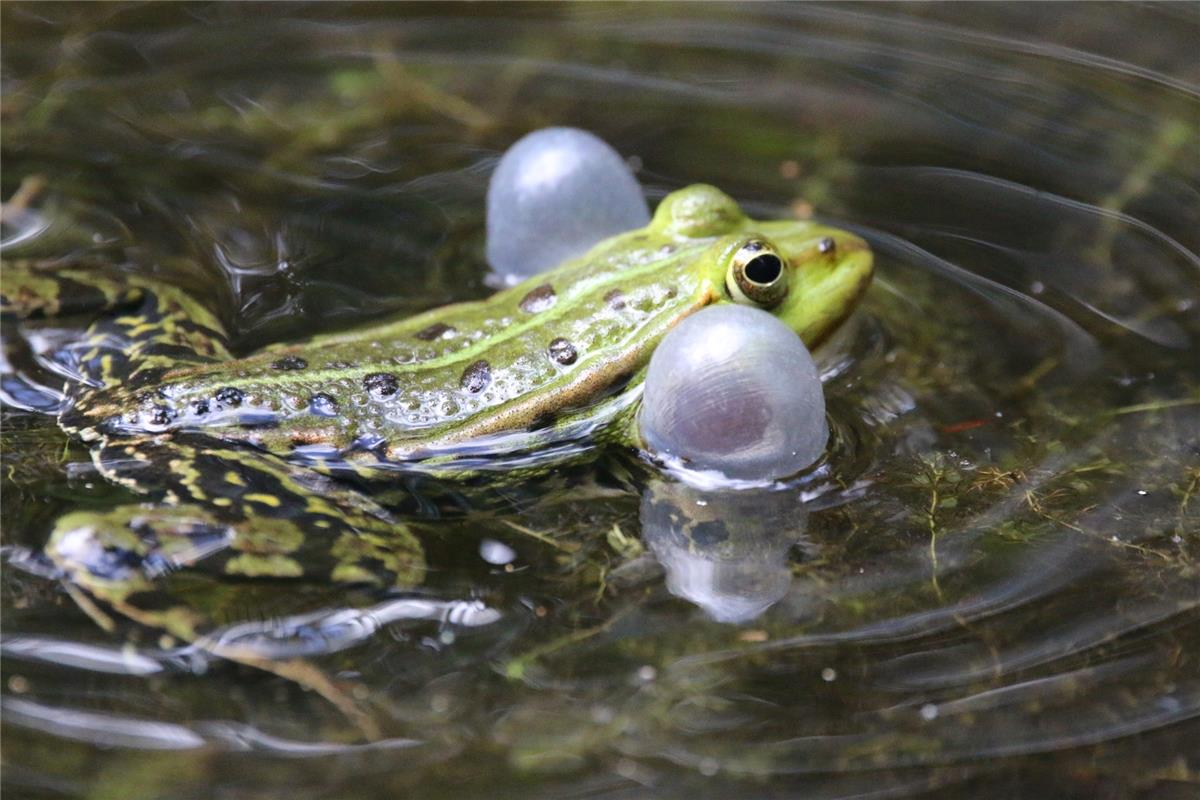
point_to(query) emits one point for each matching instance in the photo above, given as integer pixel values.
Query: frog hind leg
(347, 535)
(49, 288)
(228, 512)
(40, 307)
(113, 561)
(140, 327)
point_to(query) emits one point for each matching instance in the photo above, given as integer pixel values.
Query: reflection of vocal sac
(726, 551)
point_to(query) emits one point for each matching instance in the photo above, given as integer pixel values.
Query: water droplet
(497, 553)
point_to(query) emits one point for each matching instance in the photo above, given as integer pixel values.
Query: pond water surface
(988, 590)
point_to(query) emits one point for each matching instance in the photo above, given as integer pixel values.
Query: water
(988, 590)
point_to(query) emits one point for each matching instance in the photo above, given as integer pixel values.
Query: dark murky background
(990, 591)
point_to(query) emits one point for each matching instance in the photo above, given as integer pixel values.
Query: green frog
(241, 459)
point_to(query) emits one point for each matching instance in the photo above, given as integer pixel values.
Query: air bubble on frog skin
(726, 551)
(157, 412)
(556, 193)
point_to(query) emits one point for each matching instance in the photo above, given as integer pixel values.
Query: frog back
(409, 389)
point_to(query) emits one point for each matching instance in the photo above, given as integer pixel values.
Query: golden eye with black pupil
(757, 275)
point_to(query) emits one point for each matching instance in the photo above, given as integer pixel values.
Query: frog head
(809, 275)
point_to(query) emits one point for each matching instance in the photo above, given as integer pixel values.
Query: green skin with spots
(525, 374)
(416, 389)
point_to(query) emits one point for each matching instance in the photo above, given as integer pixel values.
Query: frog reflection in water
(727, 551)
(240, 456)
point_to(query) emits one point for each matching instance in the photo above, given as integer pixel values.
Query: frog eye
(757, 275)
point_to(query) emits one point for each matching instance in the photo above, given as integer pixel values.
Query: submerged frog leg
(150, 326)
(116, 559)
(51, 289)
(297, 513)
(229, 512)
(34, 369)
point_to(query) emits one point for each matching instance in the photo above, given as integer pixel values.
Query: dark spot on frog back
(438, 330)
(562, 351)
(162, 416)
(538, 299)
(381, 384)
(289, 363)
(615, 299)
(476, 377)
(229, 397)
